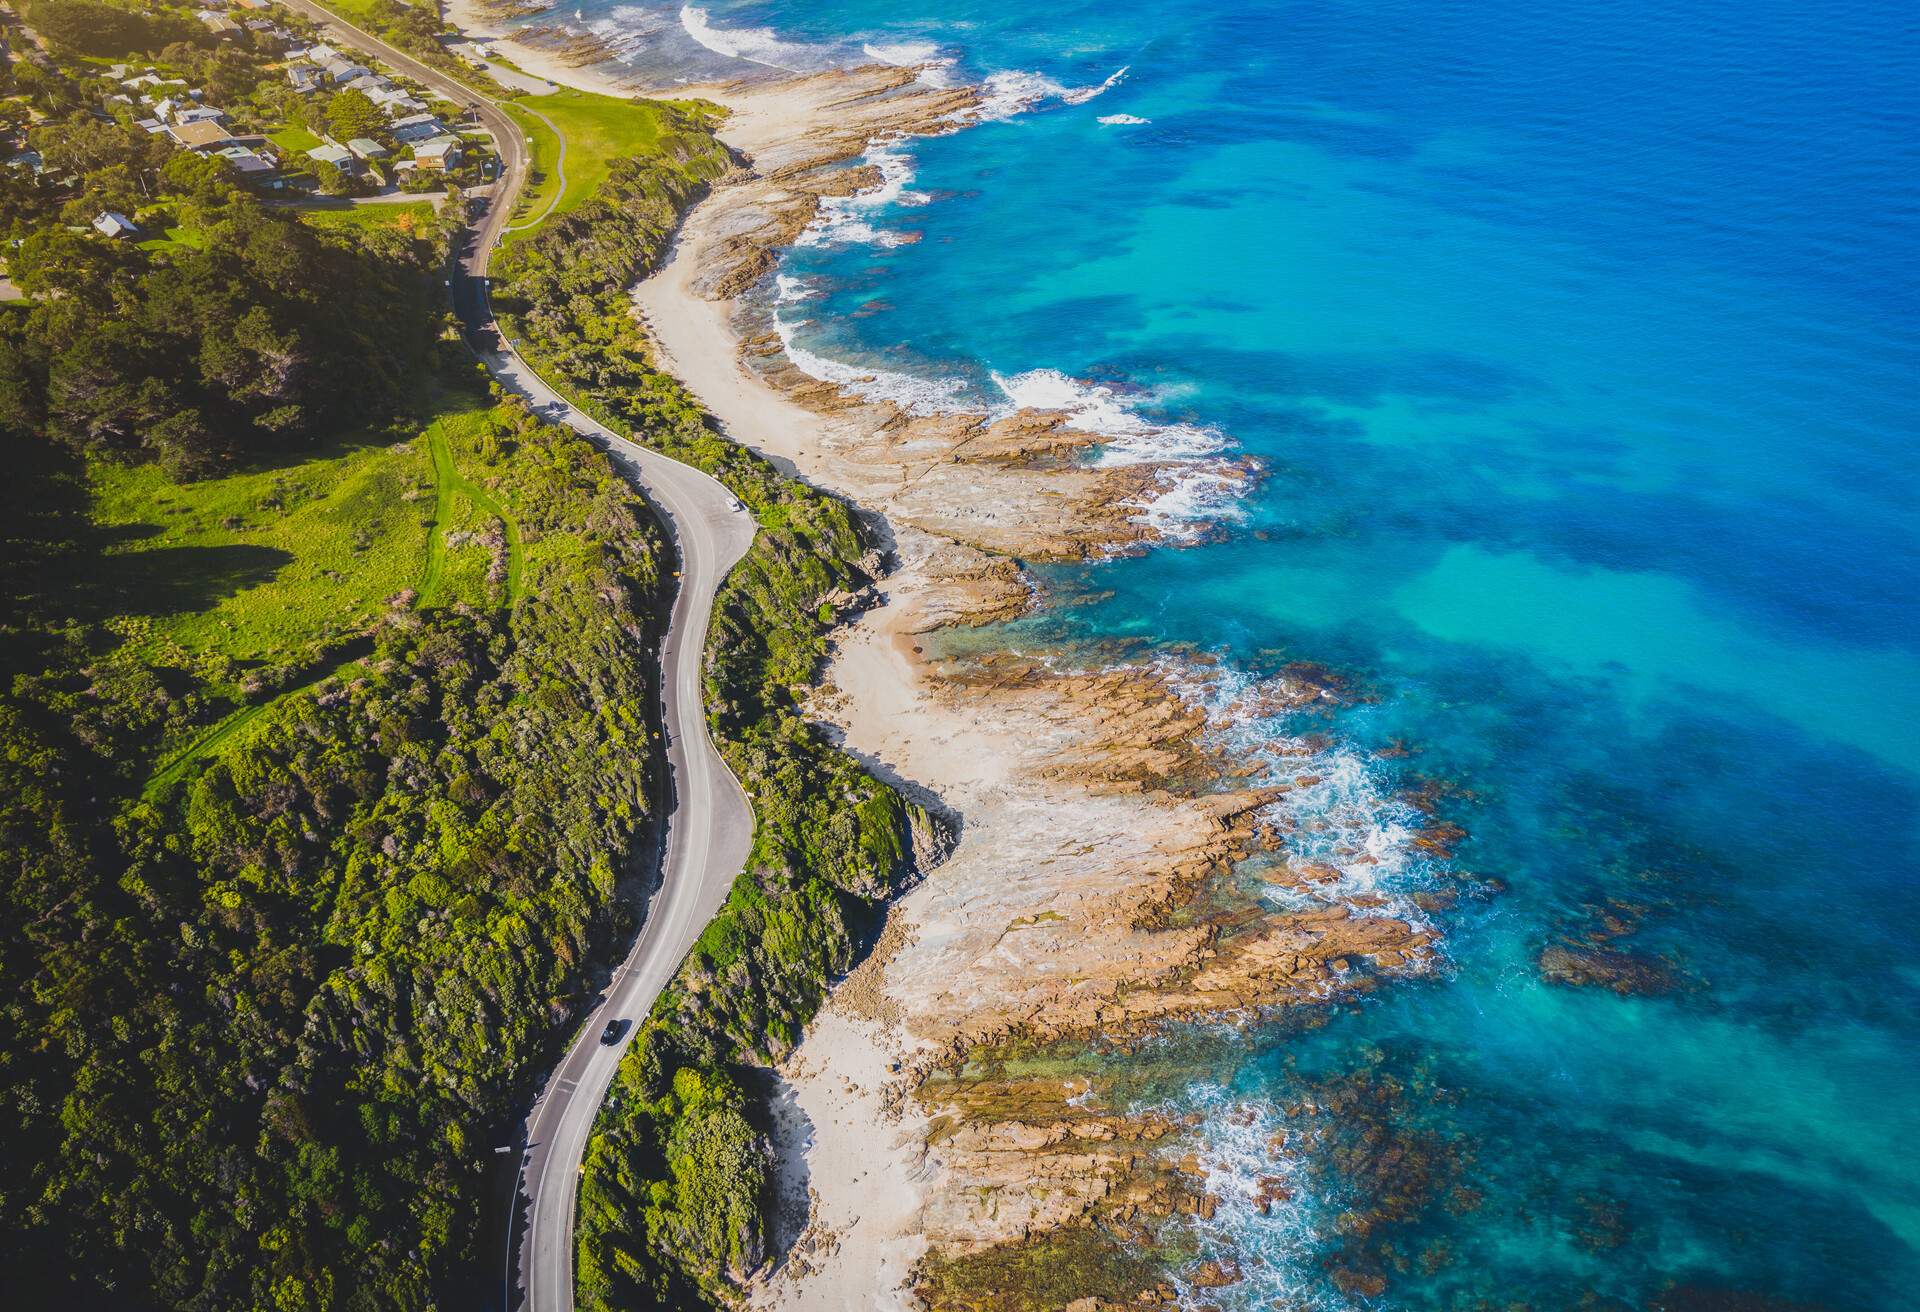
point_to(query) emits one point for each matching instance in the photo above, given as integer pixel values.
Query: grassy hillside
(598, 131)
(326, 730)
(307, 936)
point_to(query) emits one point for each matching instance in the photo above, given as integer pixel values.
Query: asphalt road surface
(709, 819)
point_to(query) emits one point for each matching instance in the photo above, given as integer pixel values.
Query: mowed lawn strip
(597, 130)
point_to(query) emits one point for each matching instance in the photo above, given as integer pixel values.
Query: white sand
(862, 1161)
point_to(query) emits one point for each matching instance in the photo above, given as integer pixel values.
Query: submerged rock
(1626, 973)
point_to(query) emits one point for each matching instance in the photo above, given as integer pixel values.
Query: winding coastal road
(709, 819)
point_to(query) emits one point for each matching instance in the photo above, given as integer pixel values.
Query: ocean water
(1578, 348)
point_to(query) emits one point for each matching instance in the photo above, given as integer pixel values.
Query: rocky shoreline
(1090, 896)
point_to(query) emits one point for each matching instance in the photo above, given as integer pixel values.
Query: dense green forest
(677, 1181)
(326, 733)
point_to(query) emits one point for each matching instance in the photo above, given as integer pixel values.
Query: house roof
(418, 127)
(244, 160)
(367, 146)
(200, 136)
(330, 154)
(438, 148)
(114, 224)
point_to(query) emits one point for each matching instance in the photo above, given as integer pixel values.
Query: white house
(338, 156)
(111, 223)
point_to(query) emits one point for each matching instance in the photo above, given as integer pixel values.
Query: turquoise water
(1578, 347)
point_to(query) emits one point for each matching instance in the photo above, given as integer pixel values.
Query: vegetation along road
(709, 821)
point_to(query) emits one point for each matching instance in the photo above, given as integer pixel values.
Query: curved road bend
(709, 833)
(709, 821)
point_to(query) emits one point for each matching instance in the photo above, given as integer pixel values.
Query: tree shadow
(168, 580)
(774, 1107)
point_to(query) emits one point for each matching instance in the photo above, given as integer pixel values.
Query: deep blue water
(1579, 345)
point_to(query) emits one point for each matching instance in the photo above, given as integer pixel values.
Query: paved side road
(709, 819)
(709, 833)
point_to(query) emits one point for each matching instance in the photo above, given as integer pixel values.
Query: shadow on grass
(168, 580)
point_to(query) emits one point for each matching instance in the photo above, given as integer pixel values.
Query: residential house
(219, 24)
(397, 104)
(320, 52)
(368, 149)
(249, 164)
(416, 128)
(341, 69)
(153, 127)
(440, 153)
(338, 156)
(201, 136)
(367, 84)
(199, 114)
(111, 223)
(305, 78)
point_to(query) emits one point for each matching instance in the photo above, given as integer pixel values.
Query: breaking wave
(1197, 486)
(1348, 837)
(1005, 95)
(756, 45)
(915, 395)
(1263, 1220)
(935, 68)
(842, 218)
(1113, 120)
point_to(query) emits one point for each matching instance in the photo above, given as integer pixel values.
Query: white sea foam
(1131, 440)
(1263, 1219)
(935, 68)
(1195, 490)
(1115, 120)
(1007, 94)
(625, 32)
(788, 289)
(756, 45)
(844, 219)
(1338, 816)
(916, 395)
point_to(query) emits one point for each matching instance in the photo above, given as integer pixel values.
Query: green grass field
(172, 238)
(289, 564)
(409, 217)
(295, 141)
(598, 130)
(268, 564)
(357, 12)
